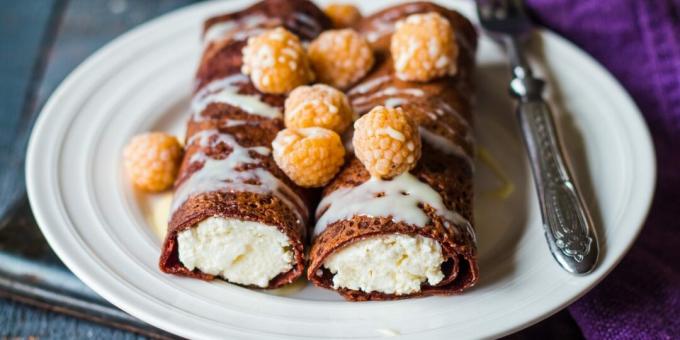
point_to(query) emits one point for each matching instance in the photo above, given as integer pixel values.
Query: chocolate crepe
(222, 130)
(442, 107)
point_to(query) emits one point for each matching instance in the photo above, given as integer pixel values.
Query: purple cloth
(639, 42)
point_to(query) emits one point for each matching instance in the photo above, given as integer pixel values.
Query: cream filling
(244, 252)
(392, 264)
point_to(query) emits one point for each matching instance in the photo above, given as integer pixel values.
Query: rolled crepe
(411, 235)
(235, 215)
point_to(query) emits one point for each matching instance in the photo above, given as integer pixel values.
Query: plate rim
(40, 206)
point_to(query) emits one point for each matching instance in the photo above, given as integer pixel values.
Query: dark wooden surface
(41, 41)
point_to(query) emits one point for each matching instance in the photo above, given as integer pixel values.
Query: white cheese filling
(244, 252)
(392, 264)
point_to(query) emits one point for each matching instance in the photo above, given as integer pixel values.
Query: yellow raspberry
(423, 47)
(343, 15)
(387, 142)
(152, 160)
(276, 61)
(340, 57)
(318, 106)
(309, 156)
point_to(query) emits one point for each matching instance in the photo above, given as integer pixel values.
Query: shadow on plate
(500, 220)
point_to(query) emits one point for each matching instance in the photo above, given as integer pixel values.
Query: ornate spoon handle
(567, 223)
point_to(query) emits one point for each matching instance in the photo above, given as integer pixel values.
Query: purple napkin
(639, 42)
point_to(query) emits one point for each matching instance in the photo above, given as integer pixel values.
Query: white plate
(105, 233)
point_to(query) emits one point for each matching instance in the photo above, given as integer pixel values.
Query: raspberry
(387, 142)
(343, 15)
(423, 47)
(152, 160)
(309, 156)
(276, 61)
(319, 105)
(340, 57)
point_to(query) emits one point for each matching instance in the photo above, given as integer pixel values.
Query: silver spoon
(568, 227)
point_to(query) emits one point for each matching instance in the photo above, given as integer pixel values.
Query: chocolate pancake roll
(411, 235)
(235, 215)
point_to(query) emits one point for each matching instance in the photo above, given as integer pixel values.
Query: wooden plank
(22, 32)
(24, 36)
(22, 321)
(27, 30)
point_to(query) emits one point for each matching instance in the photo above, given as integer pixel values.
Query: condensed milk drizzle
(226, 91)
(240, 171)
(241, 29)
(399, 198)
(366, 101)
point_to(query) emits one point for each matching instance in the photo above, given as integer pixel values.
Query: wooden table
(41, 41)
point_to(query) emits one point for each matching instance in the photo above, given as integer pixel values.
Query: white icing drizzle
(247, 33)
(399, 200)
(369, 85)
(395, 102)
(366, 102)
(223, 175)
(224, 91)
(445, 145)
(205, 141)
(391, 91)
(386, 24)
(237, 30)
(236, 122)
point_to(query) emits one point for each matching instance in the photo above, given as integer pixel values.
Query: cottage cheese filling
(244, 252)
(392, 264)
